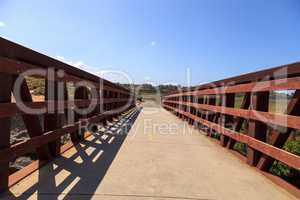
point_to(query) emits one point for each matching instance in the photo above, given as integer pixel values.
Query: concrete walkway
(160, 158)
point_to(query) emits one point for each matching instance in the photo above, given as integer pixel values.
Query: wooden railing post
(81, 93)
(54, 119)
(195, 111)
(180, 106)
(5, 97)
(216, 116)
(202, 113)
(31, 121)
(200, 101)
(183, 107)
(191, 109)
(204, 101)
(226, 120)
(257, 129)
(211, 100)
(110, 107)
(97, 109)
(238, 122)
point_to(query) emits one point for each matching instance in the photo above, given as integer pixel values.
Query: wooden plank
(22, 148)
(12, 67)
(12, 109)
(278, 138)
(5, 96)
(280, 84)
(226, 120)
(257, 129)
(284, 71)
(24, 172)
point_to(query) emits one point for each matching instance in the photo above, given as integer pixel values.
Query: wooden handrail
(266, 117)
(279, 84)
(279, 154)
(199, 104)
(12, 109)
(112, 99)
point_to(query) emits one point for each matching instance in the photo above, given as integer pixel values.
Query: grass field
(276, 105)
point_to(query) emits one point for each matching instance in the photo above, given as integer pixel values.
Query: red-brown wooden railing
(16, 59)
(200, 107)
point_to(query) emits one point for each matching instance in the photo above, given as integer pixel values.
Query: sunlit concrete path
(160, 158)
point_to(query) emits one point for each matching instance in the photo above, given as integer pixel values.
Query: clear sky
(157, 40)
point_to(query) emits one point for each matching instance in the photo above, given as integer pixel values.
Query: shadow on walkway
(80, 170)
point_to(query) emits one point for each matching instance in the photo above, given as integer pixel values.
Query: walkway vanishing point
(155, 150)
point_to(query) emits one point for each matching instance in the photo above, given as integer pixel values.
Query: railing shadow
(80, 171)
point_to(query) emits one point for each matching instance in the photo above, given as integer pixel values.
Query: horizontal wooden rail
(30, 145)
(279, 84)
(266, 117)
(12, 109)
(35, 165)
(20, 53)
(279, 154)
(283, 71)
(13, 67)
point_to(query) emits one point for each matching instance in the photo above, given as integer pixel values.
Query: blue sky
(157, 40)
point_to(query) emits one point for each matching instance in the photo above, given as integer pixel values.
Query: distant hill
(147, 89)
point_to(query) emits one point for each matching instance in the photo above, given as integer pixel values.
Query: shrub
(36, 85)
(280, 169)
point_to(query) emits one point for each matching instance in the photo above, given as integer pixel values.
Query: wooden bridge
(182, 148)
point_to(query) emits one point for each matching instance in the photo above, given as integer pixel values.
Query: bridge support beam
(5, 97)
(257, 129)
(81, 93)
(238, 122)
(227, 120)
(54, 119)
(211, 100)
(32, 122)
